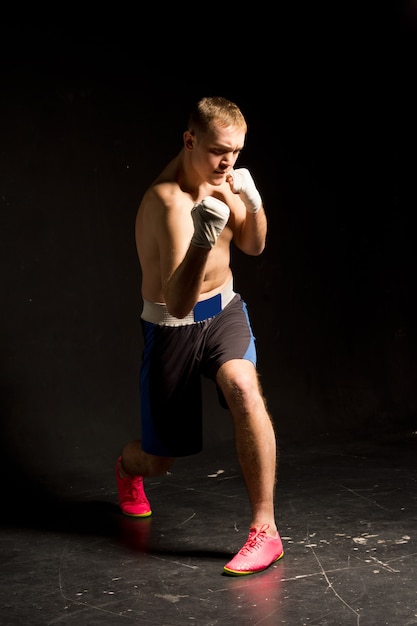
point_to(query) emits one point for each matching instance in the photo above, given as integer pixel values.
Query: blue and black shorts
(176, 354)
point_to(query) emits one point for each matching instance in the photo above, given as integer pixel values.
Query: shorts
(174, 360)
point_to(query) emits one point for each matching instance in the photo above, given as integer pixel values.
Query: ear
(188, 140)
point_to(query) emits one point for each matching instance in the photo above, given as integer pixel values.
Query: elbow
(175, 306)
(259, 250)
(178, 313)
(177, 310)
(253, 246)
(255, 250)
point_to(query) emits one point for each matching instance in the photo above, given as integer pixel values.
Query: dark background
(92, 107)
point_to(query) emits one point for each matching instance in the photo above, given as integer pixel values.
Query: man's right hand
(210, 217)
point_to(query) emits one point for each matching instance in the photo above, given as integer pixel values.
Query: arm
(250, 236)
(182, 288)
(183, 268)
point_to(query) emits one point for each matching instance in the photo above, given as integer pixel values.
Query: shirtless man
(194, 323)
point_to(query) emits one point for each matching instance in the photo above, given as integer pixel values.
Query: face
(213, 155)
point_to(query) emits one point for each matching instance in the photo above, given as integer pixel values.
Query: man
(194, 323)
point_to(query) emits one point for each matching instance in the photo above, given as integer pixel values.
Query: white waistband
(157, 312)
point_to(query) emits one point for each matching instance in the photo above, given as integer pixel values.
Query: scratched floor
(347, 514)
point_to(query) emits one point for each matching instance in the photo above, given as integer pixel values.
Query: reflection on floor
(346, 514)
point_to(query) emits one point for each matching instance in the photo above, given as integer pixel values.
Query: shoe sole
(233, 572)
(137, 514)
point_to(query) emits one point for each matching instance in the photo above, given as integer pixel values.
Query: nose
(227, 161)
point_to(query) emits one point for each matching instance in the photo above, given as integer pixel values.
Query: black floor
(346, 511)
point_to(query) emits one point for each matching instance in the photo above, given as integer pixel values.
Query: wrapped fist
(210, 217)
(241, 182)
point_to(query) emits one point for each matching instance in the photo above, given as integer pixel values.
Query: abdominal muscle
(210, 287)
(218, 275)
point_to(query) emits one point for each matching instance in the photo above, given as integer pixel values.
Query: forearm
(183, 288)
(252, 235)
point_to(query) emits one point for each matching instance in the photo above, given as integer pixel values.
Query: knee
(240, 384)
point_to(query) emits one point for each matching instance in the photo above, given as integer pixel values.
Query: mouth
(218, 177)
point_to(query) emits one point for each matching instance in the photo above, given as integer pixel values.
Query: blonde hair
(210, 110)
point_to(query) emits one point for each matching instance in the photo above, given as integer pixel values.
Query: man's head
(215, 110)
(214, 138)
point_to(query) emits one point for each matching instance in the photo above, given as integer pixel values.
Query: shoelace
(134, 489)
(255, 540)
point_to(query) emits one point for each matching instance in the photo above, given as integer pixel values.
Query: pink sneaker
(132, 498)
(258, 553)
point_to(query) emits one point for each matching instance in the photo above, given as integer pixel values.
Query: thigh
(229, 337)
(170, 389)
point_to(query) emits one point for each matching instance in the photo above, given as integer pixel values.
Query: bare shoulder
(165, 192)
(164, 207)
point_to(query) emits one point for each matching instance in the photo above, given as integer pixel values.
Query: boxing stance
(195, 324)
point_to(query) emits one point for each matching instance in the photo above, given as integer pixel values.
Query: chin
(218, 180)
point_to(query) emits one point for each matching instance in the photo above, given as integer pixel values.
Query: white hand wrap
(244, 185)
(210, 217)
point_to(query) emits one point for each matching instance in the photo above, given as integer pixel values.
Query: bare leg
(131, 467)
(255, 438)
(136, 462)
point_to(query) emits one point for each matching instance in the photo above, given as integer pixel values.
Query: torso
(163, 199)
